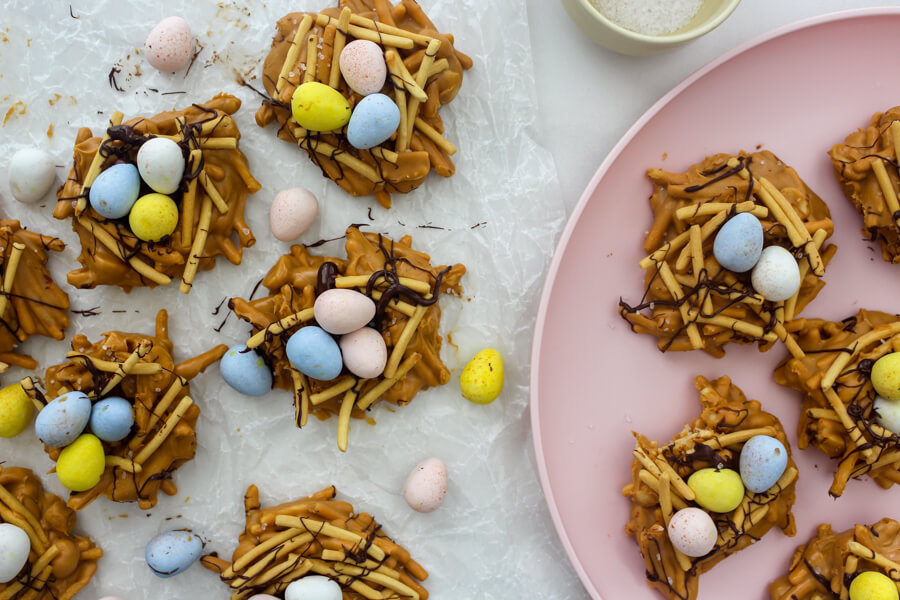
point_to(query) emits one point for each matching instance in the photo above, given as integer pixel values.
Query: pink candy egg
(292, 213)
(426, 486)
(363, 67)
(341, 311)
(168, 46)
(364, 352)
(692, 532)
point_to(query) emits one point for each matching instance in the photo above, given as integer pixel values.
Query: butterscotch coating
(49, 523)
(227, 168)
(37, 306)
(146, 392)
(726, 412)
(853, 163)
(824, 566)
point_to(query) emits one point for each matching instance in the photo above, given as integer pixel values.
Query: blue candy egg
(63, 419)
(314, 352)
(739, 243)
(172, 552)
(763, 461)
(374, 120)
(111, 419)
(246, 371)
(115, 191)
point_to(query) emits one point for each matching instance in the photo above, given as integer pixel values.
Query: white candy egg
(426, 486)
(341, 311)
(161, 164)
(292, 212)
(313, 587)
(364, 352)
(888, 413)
(31, 175)
(776, 276)
(14, 549)
(692, 532)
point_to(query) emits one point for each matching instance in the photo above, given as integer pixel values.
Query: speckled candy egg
(717, 490)
(872, 585)
(173, 552)
(692, 532)
(363, 67)
(115, 191)
(313, 587)
(374, 120)
(314, 353)
(16, 410)
(426, 486)
(168, 45)
(292, 212)
(886, 376)
(31, 175)
(160, 162)
(14, 549)
(739, 243)
(341, 311)
(776, 275)
(63, 419)
(888, 413)
(365, 353)
(81, 464)
(319, 107)
(763, 461)
(153, 217)
(112, 419)
(246, 371)
(482, 378)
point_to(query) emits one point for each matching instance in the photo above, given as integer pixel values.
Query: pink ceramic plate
(796, 92)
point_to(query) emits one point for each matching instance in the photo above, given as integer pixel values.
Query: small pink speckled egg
(364, 352)
(363, 67)
(292, 213)
(426, 486)
(692, 532)
(168, 46)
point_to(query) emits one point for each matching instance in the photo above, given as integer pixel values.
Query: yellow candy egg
(16, 410)
(482, 379)
(872, 585)
(717, 491)
(81, 463)
(319, 107)
(153, 217)
(886, 376)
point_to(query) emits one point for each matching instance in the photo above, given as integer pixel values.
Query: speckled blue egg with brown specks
(63, 419)
(173, 552)
(739, 243)
(763, 461)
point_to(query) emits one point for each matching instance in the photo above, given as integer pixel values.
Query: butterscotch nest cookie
(210, 199)
(60, 563)
(30, 302)
(658, 489)
(867, 165)
(317, 535)
(141, 369)
(838, 414)
(690, 301)
(425, 72)
(824, 566)
(405, 287)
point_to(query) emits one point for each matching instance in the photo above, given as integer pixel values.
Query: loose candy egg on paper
(776, 275)
(246, 371)
(115, 191)
(173, 552)
(888, 413)
(426, 486)
(763, 461)
(363, 67)
(81, 464)
(31, 175)
(719, 491)
(153, 217)
(16, 410)
(314, 353)
(341, 311)
(313, 587)
(886, 376)
(319, 107)
(112, 419)
(63, 419)
(14, 548)
(872, 585)
(739, 243)
(692, 532)
(168, 45)
(482, 378)
(375, 119)
(160, 162)
(292, 213)
(364, 352)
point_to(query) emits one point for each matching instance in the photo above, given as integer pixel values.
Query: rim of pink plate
(576, 214)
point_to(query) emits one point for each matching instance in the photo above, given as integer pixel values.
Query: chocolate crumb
(72, 13)
(112, 79)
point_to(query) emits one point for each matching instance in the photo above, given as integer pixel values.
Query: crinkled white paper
(499, 215)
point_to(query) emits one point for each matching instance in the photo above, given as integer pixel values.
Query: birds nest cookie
(158, 198)
(717, 487)
(383, 302)
(42, 558)
(850, 381)
(736, 250)
(867, 165)
(317, 543)
(117, 417)
(30, 303)
(861, 563)
(366, 109)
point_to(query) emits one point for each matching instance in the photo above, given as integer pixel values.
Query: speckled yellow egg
(872, 585)
(15, 410)
(319, 107)
(81, 463)
(886, 376)
(718, 491)
(153, 217)
(482, 379)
